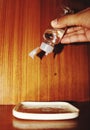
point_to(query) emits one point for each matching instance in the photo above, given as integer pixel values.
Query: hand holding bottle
(78, 26)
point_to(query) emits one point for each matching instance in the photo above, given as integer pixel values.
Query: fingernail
(54, 22)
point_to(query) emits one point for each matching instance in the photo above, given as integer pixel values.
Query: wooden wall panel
(65, 77)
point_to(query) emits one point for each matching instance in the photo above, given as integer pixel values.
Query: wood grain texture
(65, 77)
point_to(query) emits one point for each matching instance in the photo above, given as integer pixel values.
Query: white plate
(45, 111)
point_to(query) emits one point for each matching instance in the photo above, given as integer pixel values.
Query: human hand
(78, 26)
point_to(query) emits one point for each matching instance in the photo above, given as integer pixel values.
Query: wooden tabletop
(8, 122)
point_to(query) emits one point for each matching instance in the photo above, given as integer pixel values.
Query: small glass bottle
(51, 38)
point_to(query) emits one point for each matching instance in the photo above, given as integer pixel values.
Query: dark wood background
(65, 77)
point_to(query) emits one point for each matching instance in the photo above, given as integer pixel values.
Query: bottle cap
(46, 47)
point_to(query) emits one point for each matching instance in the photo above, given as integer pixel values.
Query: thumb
(67, 20)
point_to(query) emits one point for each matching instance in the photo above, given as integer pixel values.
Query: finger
(74, 38)
(68, 20)
(74, 29)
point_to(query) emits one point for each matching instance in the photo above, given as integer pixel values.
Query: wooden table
(8, 122)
